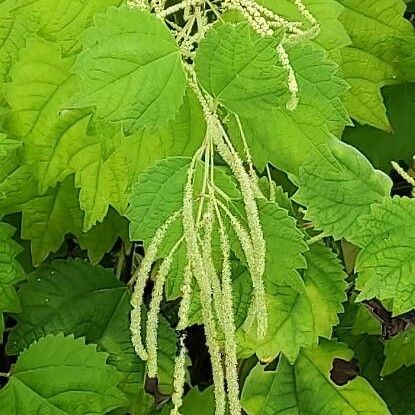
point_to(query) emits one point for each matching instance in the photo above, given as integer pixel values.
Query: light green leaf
(17, 184)
(62, 21)
(399, 351)
(298, 319)
(61, 376)
(379, 35)
(305, 387)
(336, 197)
(129, 53)
(48, 218)
(386, 262)
(182, 136)
(103, 167)
(238, 67)
(7, 145)
(332, 35)
(157, 194)
(285, 247)
(287, 138)
(15, 28)
(73, 297)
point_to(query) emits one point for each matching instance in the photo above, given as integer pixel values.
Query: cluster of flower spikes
(201, 213)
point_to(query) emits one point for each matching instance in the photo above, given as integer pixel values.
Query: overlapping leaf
(60, 375)
(74, 298)
(131, 55)
(49, 217)
(305, 387)
(238, 68)
(287, 138)
(335, 196)
(62, 21)
(386, 262)
(381, 38)
(296, 319)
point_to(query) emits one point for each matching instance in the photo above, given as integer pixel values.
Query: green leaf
(62, 22)
(381, 147)
(157, 194)
(203, 401)
(282, 237)
(15, 28)
(74, 297)
(11, 273)
(129, 53)
(182, 136)
(296, 319)
(332, 35)
(238, 67)
(379, 34)
(386, 261)
(103, 167)
(399, 351)
(48, 218)
(336, 197)
(287, 138)
(7, 145)
(17, 184)
(167, 349)
(60, 376)
(305, 387)
(101, 238)
(398, 391)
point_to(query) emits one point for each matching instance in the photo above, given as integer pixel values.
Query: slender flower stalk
(199, 271)
(152, 318)
(179, 378)
(141, 277)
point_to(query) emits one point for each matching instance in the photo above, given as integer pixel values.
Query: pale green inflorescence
(202, 211)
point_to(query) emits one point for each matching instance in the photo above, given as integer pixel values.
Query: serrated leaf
(101, 238)
(399, 351)
(239, 68)
(60, 376)
(386, 261)
(62, 21)
(157, 194)
(17, 184)
(48, 218)
(332, 35)
(379, 34)
(129, 53)
(305, 387)
(298, 319)
(286, 138)
(182, 136)
(15, 28)
(336, 197)
(74, 297)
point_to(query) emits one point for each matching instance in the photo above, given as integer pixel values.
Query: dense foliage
(207, 207)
